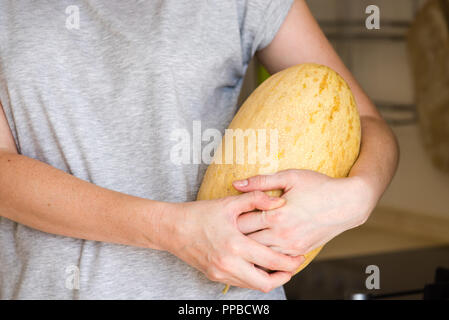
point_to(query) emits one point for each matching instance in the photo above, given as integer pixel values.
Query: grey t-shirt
(99, 97)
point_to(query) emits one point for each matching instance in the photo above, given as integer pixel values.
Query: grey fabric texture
(100, 102)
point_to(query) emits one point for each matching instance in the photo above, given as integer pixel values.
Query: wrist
(156, 226)
(365, 198)
(167, 222)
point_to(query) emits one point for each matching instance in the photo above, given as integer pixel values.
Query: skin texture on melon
(315, 116)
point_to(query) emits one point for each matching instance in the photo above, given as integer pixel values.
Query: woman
(91, 205)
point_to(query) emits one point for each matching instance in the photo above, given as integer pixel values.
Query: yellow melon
(311, 114)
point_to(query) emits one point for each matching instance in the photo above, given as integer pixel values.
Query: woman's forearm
(378, 158)
(45, 198)
(42, 197)
(299, 40)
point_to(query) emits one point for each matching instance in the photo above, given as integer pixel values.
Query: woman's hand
(317, 209)
(206, 236)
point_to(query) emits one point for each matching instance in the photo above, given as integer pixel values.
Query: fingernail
(241, 183)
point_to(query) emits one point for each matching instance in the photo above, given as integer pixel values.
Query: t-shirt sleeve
(260, 21)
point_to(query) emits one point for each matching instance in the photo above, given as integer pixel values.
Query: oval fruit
(311, 114)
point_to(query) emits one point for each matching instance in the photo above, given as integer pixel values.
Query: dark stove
(409, 274)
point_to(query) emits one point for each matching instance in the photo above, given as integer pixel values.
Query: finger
(268, 239)
(265, 237)
(244, 275)
(279, 278)
(255, 221)
(265, 257)
(256, 200)
(235, 282)
(258, 279)
(281, 180)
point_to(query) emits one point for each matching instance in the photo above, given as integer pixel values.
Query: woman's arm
(319, 208)
(47, 199)
(301, 40)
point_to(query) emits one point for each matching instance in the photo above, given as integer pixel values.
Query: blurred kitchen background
(404, 68)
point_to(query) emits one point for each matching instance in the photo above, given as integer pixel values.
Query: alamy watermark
(250, 146)
(373, 280)
(373, 20)
(72, 281)
(73, 19)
